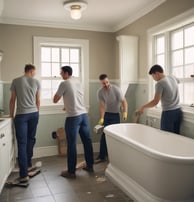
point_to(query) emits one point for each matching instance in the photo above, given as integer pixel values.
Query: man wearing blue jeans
(26, 90)
(166, 90)
(111, 99)
(76, 121)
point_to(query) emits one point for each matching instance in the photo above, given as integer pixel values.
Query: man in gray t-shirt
(166, 90)
(111, 99)
(26, 91)
(76, 122)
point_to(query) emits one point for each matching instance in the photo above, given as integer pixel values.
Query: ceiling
(100, 15)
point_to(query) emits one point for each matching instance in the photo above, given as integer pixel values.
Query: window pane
(177, 58)
(46, 89)
(189, 55)
(181, 92)
(65, 55)
(55, 84)
(160, 60)
(188, 93)
(75, 68)
(46, 84)
(74, 55)
(55, 54)
(45, 54)
(189, 36)
(178, 72)
(160, 45)
(189, 70)
(55, 69)
(46, 94)
(46, 70)
(177, 40)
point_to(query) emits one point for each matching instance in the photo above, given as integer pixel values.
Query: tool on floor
(15, 183)
(60, 135)
(32, 172)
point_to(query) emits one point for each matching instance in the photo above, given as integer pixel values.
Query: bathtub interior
(154, 139)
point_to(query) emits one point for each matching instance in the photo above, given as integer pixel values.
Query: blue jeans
(109, 118)
(73, 126)
(171, 120)
(25, 126)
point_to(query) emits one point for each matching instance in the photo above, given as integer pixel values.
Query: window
(50, 54)
(52, 59)
(173, 48)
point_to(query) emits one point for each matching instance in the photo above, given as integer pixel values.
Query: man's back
(25, 88)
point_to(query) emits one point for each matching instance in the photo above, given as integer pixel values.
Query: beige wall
(164, 12)
(17, 44)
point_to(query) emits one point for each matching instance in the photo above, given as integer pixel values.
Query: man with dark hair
(76, 121)
(26, 90)
(111, 99)
(166, 90)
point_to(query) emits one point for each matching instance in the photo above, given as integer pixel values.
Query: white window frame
(172, 24)
(84, 74)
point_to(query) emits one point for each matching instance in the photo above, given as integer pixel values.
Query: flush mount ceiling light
(75, 8)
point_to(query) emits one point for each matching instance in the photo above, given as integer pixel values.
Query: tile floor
(49, 186)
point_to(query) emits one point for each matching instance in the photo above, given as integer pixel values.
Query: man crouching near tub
(166, 90)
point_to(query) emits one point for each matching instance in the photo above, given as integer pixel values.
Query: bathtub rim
(151, 152)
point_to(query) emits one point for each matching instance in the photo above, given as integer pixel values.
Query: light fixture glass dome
(75, 8)
(76, 12)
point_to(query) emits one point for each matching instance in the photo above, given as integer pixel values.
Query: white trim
(60, 25)
(175, 22)
(53, 150)
(82, 43)
(138, 14)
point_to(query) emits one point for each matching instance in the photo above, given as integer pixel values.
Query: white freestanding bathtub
(150, 165)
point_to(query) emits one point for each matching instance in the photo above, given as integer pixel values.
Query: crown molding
(60, 25)
(138, 15)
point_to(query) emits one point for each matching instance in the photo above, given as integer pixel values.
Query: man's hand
(101, 121)
(124, 116)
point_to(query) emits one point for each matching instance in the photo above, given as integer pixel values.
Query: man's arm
(38, 100)
(56, 98)
(12, 104)
(102, 111)
(124, 109)
(150, 104)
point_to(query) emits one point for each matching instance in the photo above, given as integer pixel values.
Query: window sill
(54, 109)
(51, 109)
(188, 113)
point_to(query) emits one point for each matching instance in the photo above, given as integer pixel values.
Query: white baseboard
(53, 150)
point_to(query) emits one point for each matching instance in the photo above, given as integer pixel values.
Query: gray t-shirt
(111, 97)
(167, 87)
(25, 88)
(73, 96)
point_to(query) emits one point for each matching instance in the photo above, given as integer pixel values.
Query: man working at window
(110, 98)
(76, 121)
(166, 90)
(26, 90)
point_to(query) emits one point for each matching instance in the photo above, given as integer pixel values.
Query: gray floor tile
(49, 186)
